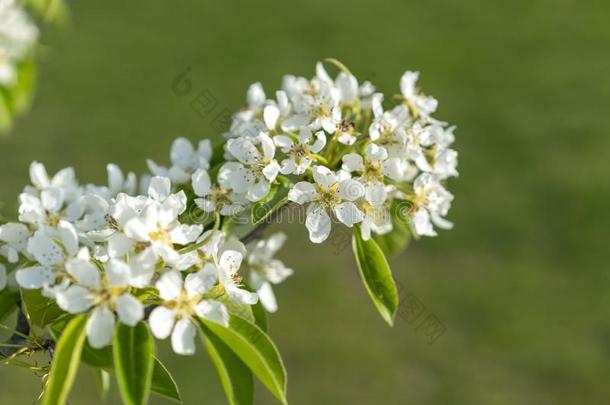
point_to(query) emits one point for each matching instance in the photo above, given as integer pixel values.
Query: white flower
(157, 225)
(185, 160)
(265, 270)
(432, 202)
(347, 84)
(117, 183)
(256, 168)
(106, 293)
(389, 127)
(318, 111)
(219, 197)
(14, 237)
(51, 248)
(17, 37)
(227, 268)
(329, 194)
(49, 199)
(182, 302)
(300, 153)
(419, 103)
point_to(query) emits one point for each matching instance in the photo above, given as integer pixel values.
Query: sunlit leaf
(132, 349)
(256, 350)
(65, 362)
(376, 274)
(235, 376)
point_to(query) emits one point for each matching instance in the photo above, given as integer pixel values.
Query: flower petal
(214, 311)
(100, 327)
(318, 224)
(183, 337)
(161, 321)
(129, 309)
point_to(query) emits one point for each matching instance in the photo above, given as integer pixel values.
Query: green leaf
(162, 381)
(398, 239)
(41, 310)
(133, 359)
(277, 197)
(376, 274)
(235, 376)
(256, 350)
(65, 361)
(102, 378)
(8, 302)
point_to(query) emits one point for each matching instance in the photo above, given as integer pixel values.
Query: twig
(257, 231)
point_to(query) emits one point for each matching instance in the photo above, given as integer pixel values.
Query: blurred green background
(521, 284)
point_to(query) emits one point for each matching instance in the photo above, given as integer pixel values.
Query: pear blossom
(18, 35)
(255, 168)
(51, 249)
(217, 197)
(157, 225)
(49, 200)
(13, 240)
(432, 202)
(331, 193)
(102, 293)
(419, 103)
(300, 153)
(388, 128)
(265, 270)
(183, 301)
(185, 160)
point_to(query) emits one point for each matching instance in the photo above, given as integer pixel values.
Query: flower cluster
(166, 249)
(108, 251)
(18, 34)
(352, 155)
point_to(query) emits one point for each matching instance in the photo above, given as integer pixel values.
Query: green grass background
(521, 283)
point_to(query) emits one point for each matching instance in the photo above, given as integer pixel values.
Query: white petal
(35, 277)
(284, 142)
(129, 309)
(350, 189)
(159, 188)
(52, 199)
(202, 185)
(376, 153)
(376, 193)
(68, 236)
(118, 273)
(271, 170)
(84, 272)
(136, 229)
(45, 250)
(169, 285)
(183, 337)
(201, 281)
(255, 95)
(75, 299)
(214, 311)
(353, 162)
(324, 177)
(270, 115)
(318, 224)
(182, 153)
(241, 296)
(39, 176)
(230, 261)
(319, 143)
(348, 213)
(161, 321)
(115, 178)
(267, 297)
(268, 146)
(302, 192)
(244, 150)
(422, 224)
(119, 244)
(258, 191)
(184, 234)
(100, 327)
